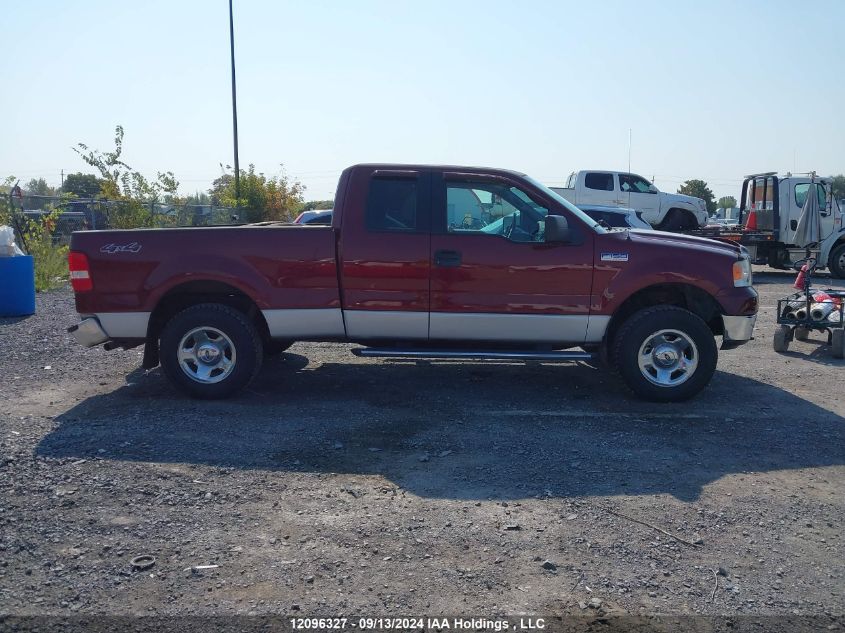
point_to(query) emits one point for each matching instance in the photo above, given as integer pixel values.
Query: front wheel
(837, 262)
(210, 350)
(677, 220)
(782, 338)
(837, 341)
(665, 353)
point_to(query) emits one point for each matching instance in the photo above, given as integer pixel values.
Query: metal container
(820, 311)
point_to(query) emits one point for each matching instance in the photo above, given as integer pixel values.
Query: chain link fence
(96, 214)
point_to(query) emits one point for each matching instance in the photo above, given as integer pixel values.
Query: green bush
(50, 259)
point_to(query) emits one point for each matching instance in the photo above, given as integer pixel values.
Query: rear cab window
(598, 181)
(394, 205)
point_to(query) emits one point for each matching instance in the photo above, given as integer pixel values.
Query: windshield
(569, 206)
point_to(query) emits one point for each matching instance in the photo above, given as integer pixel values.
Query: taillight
(80, 276)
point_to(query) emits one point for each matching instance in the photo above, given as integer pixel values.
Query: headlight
(742, 273)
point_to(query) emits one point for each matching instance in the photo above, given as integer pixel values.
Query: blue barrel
(17, 286)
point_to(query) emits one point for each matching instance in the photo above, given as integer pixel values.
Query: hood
(679, 198)
(687, 241)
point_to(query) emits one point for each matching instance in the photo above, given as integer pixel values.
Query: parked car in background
(320, 217)
(664, 211)
(616, 217)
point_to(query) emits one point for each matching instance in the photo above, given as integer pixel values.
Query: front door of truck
(384, 254)
(493, 277)
(638, 193)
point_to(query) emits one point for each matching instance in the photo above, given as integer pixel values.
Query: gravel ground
(339, 485)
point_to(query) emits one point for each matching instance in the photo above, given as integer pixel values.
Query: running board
(448, 354)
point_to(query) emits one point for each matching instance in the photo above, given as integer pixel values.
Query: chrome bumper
(738, 330)
(89, 332)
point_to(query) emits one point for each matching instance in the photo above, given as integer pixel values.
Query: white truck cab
(664, 211)
(776, 203)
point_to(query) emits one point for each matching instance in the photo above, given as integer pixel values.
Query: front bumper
(89, 332)
(737, 330)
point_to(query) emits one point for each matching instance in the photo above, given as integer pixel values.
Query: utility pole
(63, 179)
(234, 107)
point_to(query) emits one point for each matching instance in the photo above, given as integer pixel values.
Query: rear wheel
(665, 353)
(210, 350)
(837, 262)
(802, 334)
(775, 260)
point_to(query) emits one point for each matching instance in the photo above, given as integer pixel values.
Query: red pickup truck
(419, 262)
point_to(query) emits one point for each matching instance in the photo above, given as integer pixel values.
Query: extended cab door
(384, 253)
(599, 187)
(493, 277)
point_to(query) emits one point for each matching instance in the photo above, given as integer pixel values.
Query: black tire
(678, 220)
(782, 338)
(837, 343)
(226, 330)
(274, 347)
(672, 222)
(802, 334)
(775, 260)
(678, 329)
(836, 264)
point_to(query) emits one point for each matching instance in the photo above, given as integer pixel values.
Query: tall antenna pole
(234, 108)
(629, 164)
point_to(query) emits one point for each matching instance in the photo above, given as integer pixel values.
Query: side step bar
(549, 357)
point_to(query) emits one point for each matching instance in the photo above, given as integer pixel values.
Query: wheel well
(192, 293)
(685, 212)
(685, 296)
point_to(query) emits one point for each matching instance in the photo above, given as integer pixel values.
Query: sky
(703, 89)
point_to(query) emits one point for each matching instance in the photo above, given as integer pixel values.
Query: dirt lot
(339, 485)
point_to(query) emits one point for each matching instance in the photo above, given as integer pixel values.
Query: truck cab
(771, 206)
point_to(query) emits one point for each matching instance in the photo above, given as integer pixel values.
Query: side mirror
(557, 229)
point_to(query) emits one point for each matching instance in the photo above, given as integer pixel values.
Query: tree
(82, 185)
(726, 202)
(261, 198)
(838, 186)
(317, 205)
(37, 193)
(120, 180)
(135, 194)
(38, 187)
(699, 189)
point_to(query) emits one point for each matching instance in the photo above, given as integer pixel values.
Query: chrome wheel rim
(842, 260)
(206, 355)
(668, 358)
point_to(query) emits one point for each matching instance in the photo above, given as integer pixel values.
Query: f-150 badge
(111, 249)
(614, 257)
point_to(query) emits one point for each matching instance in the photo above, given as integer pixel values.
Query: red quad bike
(808, 310)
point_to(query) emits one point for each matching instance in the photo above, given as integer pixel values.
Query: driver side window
(491, 208)
(634, 184)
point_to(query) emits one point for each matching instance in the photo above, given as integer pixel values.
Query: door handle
(447, 259)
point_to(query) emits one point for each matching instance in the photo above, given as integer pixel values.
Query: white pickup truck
(664, 211)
